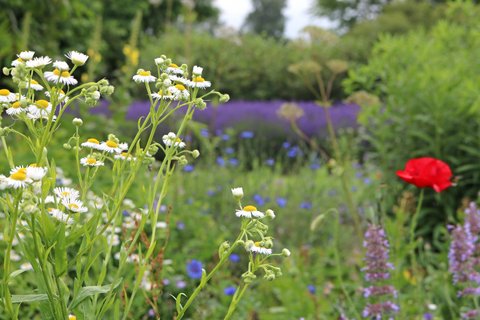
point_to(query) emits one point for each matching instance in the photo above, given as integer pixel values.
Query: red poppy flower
(427, 172)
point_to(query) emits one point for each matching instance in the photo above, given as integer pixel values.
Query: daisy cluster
(173, 81)
(41, 91)
(112, 146)
(22, 177)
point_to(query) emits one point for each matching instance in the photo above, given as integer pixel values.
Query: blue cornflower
(270, 162)
(367, 181)
(211, 192)
(292, 152)
(229, 150)
(221, 161)
(282, 202)
(286, 145)
(315, 165)
(230, 290)
(427, 316)
(194, 269)
(188, 168)
(233, 162)
(125, 213)
(258, 199)
(311, 288)
(306, 205)
(247, 135)
(225, 137)
(234, 258)
(204, 133)
(180, 225)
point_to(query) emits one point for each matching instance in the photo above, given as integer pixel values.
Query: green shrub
(429, 83)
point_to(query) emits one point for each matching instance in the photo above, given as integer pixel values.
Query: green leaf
(61, 260)
(88, 291)
(21, 298)
(178, 302)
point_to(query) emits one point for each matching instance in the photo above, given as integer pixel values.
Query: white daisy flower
(143, 76)
(66, 193)
(36, 173)
(91, 162)
(26, 266)
(7, 96)
(249, 212)
(18, 178)
(74, 205)
(60, 215)
(26, 55)
(61, 95)
(160, 95)
(61, 65)
(49, 199)
(40, 109)
(39, 62)
(179, 92)
(173, 68)
(125, 156)
(3, 182)
(181, 80)
(199, 82)
(77, 58)
(162, 225)
(257, 248)
(14, 256)
(197, 71)
(57, 75)
(111, 146)
(33, 85)
(15, 108)
(92, 143)
(171, 139)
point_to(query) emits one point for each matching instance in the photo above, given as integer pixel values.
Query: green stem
(236, 298)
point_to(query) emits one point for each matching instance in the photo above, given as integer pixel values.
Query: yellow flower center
(112, 144)
(33, 165)
(91, 161)
(19, 59)
(33, 81)
(19, 175)
(144, 73)
(249, 208)
(73, 206)
(257, 244)
(16, 105)
(126, 154)
(42, 104)
(4, 92)
(173, 65)
(198, 79)
(178, 140)
(65, 74)
(56, 72)
(93, 140)
(180, 87)
(65, 193)
(72, 317)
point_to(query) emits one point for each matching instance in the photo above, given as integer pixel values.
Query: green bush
(429, 83)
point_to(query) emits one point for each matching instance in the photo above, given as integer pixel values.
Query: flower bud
(77, 122)
(67, 146)
(200, 104)
(237, 193)
(197, 71)
(159, 61)
(195, 154)
(249, 244)
(286, 252)
(269, 213)
(6, 71)
(224, 98)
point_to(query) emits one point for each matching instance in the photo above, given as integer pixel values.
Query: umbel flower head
(427, 172)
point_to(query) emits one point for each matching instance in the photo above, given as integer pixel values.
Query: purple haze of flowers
(230, 290)
(377, 270)
(306, 205)
(247, 135)
(221, 161)
(270, 162)
(281, 202)
(258, 199)
(194, 269)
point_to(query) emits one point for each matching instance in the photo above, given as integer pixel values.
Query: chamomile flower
(171, 139)
(33, 85)
(60, 215)
(92, 143)
(3, 182)
(143, 76)
(18, 178)
(7, 96)
(40, 109)
(61, 97)
(77, 58)
(174, 69)
(179, 92)
(257, 248)
(35, 172)
(61, 65)
(15, 108)
(199, 82)
(161, 95)
(74, 205)
(57, 75)
(249, 212)
(178, 79)
(125, 156)
(72, 317)
(111, 146)
(197, 71)
(66, 193)
(39, 62)
(23, 57)
(91, 162)
(26, 266)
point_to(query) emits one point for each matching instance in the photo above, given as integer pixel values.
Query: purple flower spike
(377, 270)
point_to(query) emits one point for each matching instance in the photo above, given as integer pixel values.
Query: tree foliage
(266, 18)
